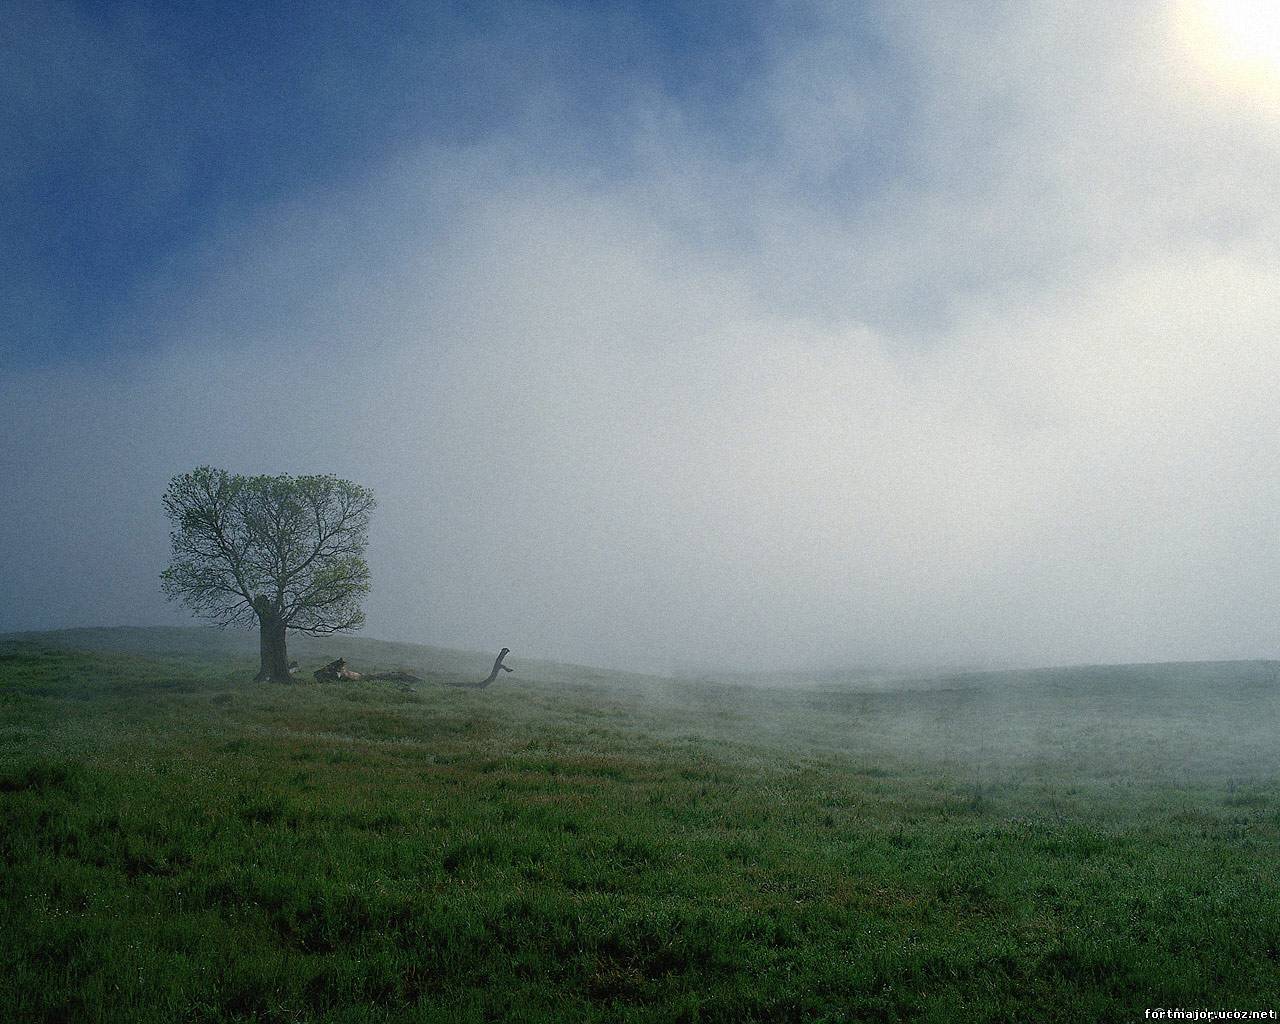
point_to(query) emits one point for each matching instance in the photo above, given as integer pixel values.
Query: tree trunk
(274, 664)
(275, 657)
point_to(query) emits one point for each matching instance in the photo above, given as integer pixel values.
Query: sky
(669, 336)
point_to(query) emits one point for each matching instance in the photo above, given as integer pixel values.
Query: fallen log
(335, 670)
(397, 676)
(497, 666)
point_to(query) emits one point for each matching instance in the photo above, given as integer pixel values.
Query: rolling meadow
(574, 844)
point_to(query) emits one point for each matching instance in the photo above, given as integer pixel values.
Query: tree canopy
(286, 551)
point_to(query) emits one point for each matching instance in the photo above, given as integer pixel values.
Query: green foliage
(577, 845)
(287, 547)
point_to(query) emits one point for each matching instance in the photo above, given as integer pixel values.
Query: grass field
(180, 844)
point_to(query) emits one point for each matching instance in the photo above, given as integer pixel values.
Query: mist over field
(853, 426)
(756, 338)
(587, 845)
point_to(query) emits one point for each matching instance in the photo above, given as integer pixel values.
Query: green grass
(177, 843)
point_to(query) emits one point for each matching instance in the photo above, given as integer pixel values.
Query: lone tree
(286, 551)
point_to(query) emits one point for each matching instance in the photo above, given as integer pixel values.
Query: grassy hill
(239, 649)
(574, 844)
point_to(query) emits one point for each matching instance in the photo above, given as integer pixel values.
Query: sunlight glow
(1238, 40)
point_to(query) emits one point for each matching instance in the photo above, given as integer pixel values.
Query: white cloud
(1011, 404)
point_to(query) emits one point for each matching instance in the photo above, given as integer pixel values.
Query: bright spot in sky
(1238, 38)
